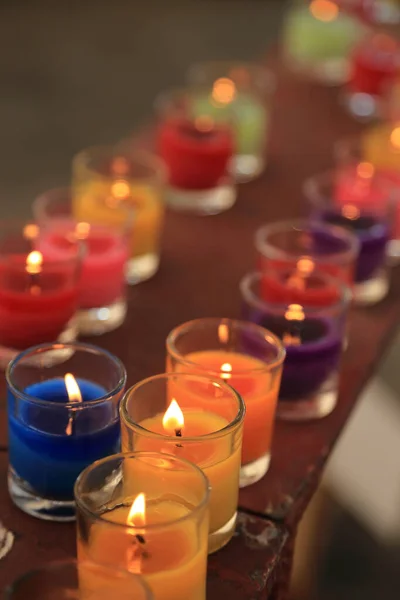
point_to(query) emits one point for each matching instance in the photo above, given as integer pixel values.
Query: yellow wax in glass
(259, 390)
(381, 146)
(173, 560)
(90, 203)
(216, 457)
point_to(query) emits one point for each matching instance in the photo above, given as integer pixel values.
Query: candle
(241, 94)
(110, 182)
(38, 295)
(87, 581)
(221, 348)
(58, 424)
(160, 533)
(102, 280)
(318, 38)
(196, 418)
(313, 338)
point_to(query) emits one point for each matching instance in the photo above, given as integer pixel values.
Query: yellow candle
(203, 424)
(160, 534)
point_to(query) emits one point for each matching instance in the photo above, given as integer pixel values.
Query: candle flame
(137, 513)
(226, 371)
(34, 262)
(305, 266)
(324, 10)
(73, 391)
(294, 312)
(82, 230)
(204, 123)
(120, 189)
(173, 420)
(223, 333)
(349, 211)
(224, 91)
(395, 138)
(365, 170)
(30, 231)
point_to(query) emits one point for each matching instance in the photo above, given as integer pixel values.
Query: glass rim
(82, 505)
(217, 382)
(143, 157)
(269, 250)
(50, 347)
(266, 334)
(17, 225)
(257, 70)
(55, 565)
(252, 299)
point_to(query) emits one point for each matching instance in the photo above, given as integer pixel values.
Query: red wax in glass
(358, 186)
(196, 159)
(375, 65)
(33, 311)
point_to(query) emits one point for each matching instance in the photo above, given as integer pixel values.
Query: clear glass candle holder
(380, 147)
(38, 292)
(241, 92)
(247, 357)
(374, 66)
(72, 581)
(109, 180)
(318, 37)
(210, 424)
(147, 513)
(196, 148)
(63, 402)
(357, 199)
(289, 251)
(102, 289)
(313, 337)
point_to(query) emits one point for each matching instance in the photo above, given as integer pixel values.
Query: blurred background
(83, 72)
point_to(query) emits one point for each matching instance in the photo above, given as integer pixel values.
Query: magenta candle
(38, 294)
(102, 282)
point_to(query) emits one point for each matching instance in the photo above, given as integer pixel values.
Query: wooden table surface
(203, 261)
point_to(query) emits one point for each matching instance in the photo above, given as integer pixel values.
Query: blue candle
(50, 443)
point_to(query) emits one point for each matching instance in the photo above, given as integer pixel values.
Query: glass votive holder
(71, 580)
(210, 423)
(360, 201)
(108, 180)
(247, 357)
(379, 146)
(318, 37)
(147, 512)
(63, 402)
(289, 251)
(374, 65)
(196, 148)
(313, 337)
(102, 288)
(38, 292)
(242, 93)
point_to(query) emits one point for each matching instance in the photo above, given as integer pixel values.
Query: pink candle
(102, 279)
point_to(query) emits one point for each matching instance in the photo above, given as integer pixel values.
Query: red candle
(37, 299)
(375, 65)
(359, 185)
(196, 153)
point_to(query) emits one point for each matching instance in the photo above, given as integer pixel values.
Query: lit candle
(160, 533)
(202, 423)
(247, 358)
(59, 424)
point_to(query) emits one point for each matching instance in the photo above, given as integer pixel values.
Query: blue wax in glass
(41, 453)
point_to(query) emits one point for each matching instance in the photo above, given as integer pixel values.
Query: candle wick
(140, 538)
(178, 432)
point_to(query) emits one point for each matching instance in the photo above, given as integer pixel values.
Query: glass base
(363, 107)
(219, 539)
(331, 72)
(245, 167)
(253, 472)
(42, 508)
(305, 409)
(141, 268)
(371, 291)
(69, 334)
(202, 202)
(95, 321)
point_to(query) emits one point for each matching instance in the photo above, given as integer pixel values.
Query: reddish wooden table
(203, 261)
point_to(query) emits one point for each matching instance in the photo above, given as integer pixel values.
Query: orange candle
(247, 357)
(160, 534)
(198, 419)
